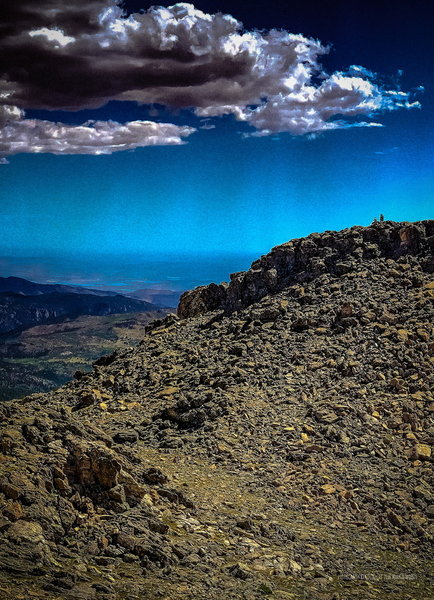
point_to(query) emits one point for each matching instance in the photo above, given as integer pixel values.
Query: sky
(182, 130)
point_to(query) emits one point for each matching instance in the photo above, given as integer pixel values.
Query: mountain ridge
(303, 259)
(163, 298)
(19, 285)
(18, 311)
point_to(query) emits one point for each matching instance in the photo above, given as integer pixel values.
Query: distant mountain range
(25, 304)
(159, 297)
(18, 285)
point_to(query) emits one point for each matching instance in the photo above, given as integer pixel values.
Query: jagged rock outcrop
(278, 445)
(304, 259)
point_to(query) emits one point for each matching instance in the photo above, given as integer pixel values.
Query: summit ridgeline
(319, 254)
(273, 440)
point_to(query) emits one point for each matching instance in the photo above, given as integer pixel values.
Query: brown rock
(327, 489)
(25, 531)
(395, 519)
(422, 452)
(13, 510)
(9, 440)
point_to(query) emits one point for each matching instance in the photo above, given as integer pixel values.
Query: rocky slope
(275, 441)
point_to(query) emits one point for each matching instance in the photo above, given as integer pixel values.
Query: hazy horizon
(130, 271)
(126, 273)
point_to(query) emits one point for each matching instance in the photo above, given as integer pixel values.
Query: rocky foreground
(274, 440)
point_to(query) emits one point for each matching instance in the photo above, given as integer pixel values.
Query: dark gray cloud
(70, 56)
(77, 16)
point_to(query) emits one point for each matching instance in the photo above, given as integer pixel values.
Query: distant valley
(47, 332)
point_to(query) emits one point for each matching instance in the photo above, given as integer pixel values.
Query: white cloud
(98, 137)
(9, 114)
(53, 35)
(86, 53)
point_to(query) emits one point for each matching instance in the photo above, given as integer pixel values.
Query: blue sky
(222, 192)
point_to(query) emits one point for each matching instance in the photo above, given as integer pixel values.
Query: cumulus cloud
(79, 55)
(20, 135)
